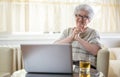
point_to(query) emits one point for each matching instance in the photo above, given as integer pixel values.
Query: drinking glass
(84, 66)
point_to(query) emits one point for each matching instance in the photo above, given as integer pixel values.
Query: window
(53, 16)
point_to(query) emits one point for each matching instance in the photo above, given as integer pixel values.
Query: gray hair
(86, 8)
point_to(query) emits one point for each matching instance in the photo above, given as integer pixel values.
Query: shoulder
(67, 30)
(92, 31)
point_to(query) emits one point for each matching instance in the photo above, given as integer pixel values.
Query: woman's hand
(74, 32)
(77, 37)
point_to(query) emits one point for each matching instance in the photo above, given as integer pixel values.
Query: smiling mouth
(82, 24)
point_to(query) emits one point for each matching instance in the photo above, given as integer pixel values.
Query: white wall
(111, 42)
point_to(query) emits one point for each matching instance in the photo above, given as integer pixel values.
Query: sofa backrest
(114, 53)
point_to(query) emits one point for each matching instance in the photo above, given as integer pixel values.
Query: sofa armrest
(6, 60)
(3, 74)
(103, 61)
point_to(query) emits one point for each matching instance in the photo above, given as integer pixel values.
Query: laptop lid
(47, 58)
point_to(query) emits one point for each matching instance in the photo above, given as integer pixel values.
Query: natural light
(53, 16)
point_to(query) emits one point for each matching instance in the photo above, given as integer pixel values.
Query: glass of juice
(84, 67)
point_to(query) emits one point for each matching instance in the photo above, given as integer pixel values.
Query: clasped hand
(76, 33)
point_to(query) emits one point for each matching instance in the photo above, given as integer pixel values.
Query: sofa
(114, 65)
(6, 60)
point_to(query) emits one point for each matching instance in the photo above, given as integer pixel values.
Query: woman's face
(82, 19)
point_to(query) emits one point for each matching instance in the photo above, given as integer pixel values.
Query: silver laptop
(48, 75)
(47, 58)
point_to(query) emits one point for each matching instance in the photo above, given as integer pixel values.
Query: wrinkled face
(82, 18)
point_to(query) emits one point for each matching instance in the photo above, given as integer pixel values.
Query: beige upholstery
(114, 66)
(103, 61)
(6, 57)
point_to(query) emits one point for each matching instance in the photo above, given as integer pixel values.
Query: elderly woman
(84, 40)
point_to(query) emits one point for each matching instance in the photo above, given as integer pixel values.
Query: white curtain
(52, 16)
(12, 16)
(107, 17)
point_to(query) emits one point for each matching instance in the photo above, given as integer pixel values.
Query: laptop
(48, 75)
(47, 58)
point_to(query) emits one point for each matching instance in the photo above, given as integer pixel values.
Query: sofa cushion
(114, 68)
(114, 53)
